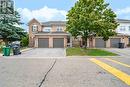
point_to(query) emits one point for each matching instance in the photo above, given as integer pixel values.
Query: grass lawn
(88, 52)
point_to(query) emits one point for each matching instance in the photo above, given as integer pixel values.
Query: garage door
(100, 43)
(114, 42)
(58, 42)
(43, 43)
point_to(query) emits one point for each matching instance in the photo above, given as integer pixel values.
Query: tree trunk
(85, 43)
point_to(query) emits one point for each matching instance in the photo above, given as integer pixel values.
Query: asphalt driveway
(42, 53)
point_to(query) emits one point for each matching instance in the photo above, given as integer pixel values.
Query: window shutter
(32, 28)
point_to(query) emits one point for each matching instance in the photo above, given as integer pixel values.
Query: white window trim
(34, 28)
(47, 29)
(59, 29)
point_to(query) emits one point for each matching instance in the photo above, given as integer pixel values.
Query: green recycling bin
(6, 51)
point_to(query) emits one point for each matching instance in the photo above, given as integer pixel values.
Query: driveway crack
(44, 78)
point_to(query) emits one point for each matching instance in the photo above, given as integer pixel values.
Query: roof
(52, 33)
(123, 20)
(63, 23)
(33, 21)
(123, 34)
(49, 23)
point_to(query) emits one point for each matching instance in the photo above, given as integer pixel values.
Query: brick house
(52, 34)
(47, 34)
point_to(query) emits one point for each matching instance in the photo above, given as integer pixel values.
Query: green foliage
(25, 41)
(9, 30)
(90, 18)
(88, 52)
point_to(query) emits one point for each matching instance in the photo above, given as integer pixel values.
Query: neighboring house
(124, 27)
(53, 34)
(123, 31)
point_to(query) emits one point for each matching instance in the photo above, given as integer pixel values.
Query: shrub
(25, 41)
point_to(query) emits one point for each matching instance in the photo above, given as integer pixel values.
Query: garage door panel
(114, 42)
(43, 43)
(100, 43)
(58, 42)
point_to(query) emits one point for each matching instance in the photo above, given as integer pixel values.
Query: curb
(93, 56)
(27, 49)
(1, 55)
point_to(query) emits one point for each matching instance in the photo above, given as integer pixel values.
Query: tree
(9, 27)
(90, 18)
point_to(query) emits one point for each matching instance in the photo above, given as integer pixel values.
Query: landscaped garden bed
(88, 52)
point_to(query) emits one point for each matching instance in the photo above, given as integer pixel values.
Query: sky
(56, 10)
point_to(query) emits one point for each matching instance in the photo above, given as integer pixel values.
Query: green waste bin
(6, 51)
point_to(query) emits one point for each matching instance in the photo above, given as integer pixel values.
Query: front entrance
(129, 40)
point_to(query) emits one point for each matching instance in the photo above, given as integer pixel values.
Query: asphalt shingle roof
(123, 20)
(49, 23)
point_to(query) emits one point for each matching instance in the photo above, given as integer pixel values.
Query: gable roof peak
(33, 20)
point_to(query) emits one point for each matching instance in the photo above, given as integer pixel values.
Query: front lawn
(88, 52)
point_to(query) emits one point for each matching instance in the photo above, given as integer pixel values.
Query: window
(59, 29)
(47, 29)
(122, 28)
(34, 28)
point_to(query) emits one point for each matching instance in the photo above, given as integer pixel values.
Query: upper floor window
(122, 28)
(59, 29)
(47, 29)
(34, 28)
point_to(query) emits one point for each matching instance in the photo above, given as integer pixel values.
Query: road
(64, 72)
